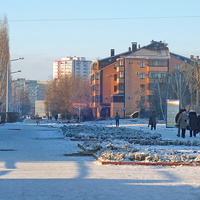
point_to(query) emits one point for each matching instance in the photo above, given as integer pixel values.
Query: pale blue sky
(42, 31)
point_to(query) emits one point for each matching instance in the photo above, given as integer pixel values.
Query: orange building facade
(124, 83)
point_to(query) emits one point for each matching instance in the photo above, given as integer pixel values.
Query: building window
(96, 87)
(77, 63)
(118, 99)
(121, 86)
(121, 63)
(115, 88)
(158, 63)
(97, 98)
(142, 87)
(121, 74)
(97, 76)
(94, 66)
(158, 75)
(177, 66)
(115, 77)
(142, 75)
(115, 66)
(142, 63)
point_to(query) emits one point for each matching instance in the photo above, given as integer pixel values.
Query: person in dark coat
(176, 119)
(152, 120)
(183, 122)
(198, 121)
(193, 123)
(117, 117)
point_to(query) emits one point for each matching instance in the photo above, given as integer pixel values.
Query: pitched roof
(182, 58)
(155, 50)
(150, 54)
(109, 60)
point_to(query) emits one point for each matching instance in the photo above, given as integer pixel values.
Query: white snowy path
(32, 167)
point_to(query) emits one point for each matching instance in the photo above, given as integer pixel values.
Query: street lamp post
(8, 85)
(8, 100)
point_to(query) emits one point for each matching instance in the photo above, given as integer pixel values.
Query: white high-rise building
(76, 66)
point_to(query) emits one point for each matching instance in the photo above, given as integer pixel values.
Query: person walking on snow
(117, 117)
(193, 123)
(152, 120)
(176, 119)
(183, 122)
(198, 122)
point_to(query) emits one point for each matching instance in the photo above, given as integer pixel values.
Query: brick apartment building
(126, 82)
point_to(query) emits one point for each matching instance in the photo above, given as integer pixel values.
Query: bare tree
(62, 93)
(197, 85)
(193, 79)
(182, 85)
(81, 91)
(4, 61)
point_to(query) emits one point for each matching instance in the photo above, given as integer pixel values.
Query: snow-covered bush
(106, 133)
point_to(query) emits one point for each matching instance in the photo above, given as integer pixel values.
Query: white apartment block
(35, 90)
(75, 66)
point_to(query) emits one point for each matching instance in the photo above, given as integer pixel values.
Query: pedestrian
(183, 122)
(198, 121)
(193, 123)
(152, 120)
(117, 117)
(176, 119)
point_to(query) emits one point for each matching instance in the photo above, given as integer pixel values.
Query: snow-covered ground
(128, 143)
(33, 166)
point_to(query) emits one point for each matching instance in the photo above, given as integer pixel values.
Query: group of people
(189, 122)
(183, 121)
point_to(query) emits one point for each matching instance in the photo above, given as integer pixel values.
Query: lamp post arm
(16, 59)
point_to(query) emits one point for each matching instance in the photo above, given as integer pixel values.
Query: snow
(33, 166)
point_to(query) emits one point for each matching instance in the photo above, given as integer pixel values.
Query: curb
(135, 163)
(132, 140)
(143, 163)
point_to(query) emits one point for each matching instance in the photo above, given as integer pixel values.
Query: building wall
(175, 63)
(40, 108)
(34, 88)
(116, 107)
(95, 86)
(108, 84)
(134, 85)
(41, 88)
(76, 66)
(133, 81)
